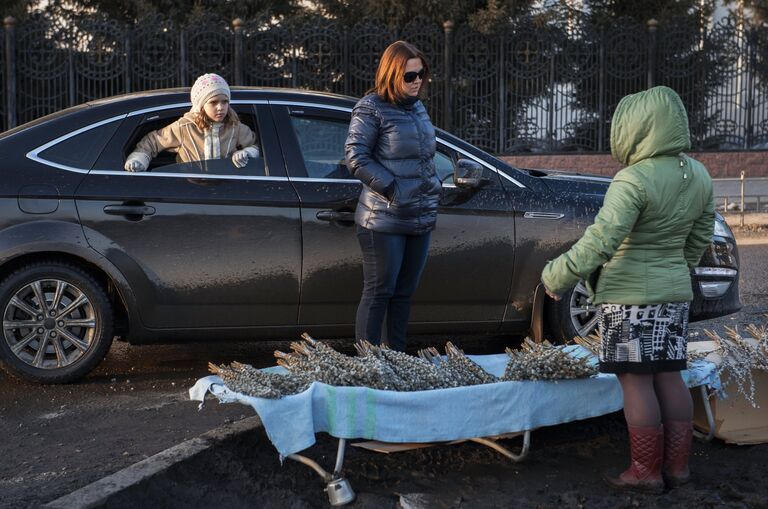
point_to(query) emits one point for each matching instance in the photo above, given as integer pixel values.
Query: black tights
(651, 399)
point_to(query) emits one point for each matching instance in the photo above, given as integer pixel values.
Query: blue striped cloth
(437, 415)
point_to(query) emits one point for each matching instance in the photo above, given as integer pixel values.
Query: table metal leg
(506, 452)
(338, 489)
(708, 411)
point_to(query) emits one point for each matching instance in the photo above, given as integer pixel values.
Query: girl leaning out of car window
(390, 148)
(210, 130)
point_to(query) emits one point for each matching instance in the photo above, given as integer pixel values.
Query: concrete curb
(99, 492)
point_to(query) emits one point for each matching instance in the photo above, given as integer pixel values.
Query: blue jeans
(392, 267)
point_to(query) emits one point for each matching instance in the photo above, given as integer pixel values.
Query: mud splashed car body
(207, 251)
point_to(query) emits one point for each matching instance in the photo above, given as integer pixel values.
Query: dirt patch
(563, 470)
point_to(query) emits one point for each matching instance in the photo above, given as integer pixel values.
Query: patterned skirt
(643, 339)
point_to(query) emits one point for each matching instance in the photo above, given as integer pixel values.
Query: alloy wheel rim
(49, 324)
(583, 313)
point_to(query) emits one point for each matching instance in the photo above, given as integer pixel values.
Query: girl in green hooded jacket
(655, 223)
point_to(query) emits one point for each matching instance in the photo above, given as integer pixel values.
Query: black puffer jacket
(391, 149)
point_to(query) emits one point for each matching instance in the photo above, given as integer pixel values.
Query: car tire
(57, 323)
(573, 315)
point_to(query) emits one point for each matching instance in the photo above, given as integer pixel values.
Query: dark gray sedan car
(206, 251)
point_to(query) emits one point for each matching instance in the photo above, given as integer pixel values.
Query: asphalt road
(732, 186)
(755, 193)
(54, 439)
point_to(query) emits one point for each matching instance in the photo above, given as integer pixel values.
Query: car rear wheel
(57, 323)
(573, 315)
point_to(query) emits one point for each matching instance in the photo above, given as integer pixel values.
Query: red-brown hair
(203, 122)
(390, 84)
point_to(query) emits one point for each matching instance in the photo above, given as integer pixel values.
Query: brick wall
(719, 164)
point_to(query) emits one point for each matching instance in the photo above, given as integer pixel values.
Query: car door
(203, 244)
(469, 269)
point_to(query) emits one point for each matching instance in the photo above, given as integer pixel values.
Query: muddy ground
(562, 470)
(56, 439)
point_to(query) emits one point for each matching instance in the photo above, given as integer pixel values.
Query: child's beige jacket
(188, 141)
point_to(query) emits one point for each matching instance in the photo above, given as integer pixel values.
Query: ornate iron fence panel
(576, 110)
(209, 48)
(44, 67)
(267, 51)
(682, 65)
(757, 50)
(626, 66)
(528, 63)
(427, 35)
(476, 110)
(154, 55)
(318, 55)
(537, 86)
(366, 42)
(100, 65)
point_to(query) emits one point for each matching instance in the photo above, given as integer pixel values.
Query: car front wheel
(57, 323)
(573, 315)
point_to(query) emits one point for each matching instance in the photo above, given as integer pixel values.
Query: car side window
(167, 161)
(81, 150)
(444, 166)
(321, 141)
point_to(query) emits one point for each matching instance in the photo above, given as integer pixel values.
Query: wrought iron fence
(532, 87)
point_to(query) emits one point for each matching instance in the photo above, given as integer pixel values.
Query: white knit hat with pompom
(205, 87)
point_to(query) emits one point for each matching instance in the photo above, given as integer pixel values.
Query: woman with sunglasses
(390, 148)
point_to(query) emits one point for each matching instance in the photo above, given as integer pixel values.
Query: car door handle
(129, 210)
(333, 215)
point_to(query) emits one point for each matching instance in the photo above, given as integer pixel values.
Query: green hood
(647, 124)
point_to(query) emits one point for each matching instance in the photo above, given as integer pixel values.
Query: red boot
(677, 448)
(644, 472)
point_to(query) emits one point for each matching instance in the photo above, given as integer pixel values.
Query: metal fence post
(345, 65)
(183, 58)
(551, 134)
(751, 40)
(601, 110)
(10, 71)
(448, 75)
(128, 62)
(237, 25)
(71, 81)
(652, 40)
(501, 120)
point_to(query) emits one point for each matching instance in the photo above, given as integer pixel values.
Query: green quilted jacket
(657, 217)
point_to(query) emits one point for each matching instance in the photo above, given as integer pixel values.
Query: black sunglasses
(410, 77)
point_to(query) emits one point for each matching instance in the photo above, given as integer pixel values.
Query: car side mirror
(468, 174)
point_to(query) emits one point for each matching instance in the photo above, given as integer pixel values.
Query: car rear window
(81, 150)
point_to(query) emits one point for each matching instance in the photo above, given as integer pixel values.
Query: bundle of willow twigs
(544, 361)
(379, 367)
(738, 356)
